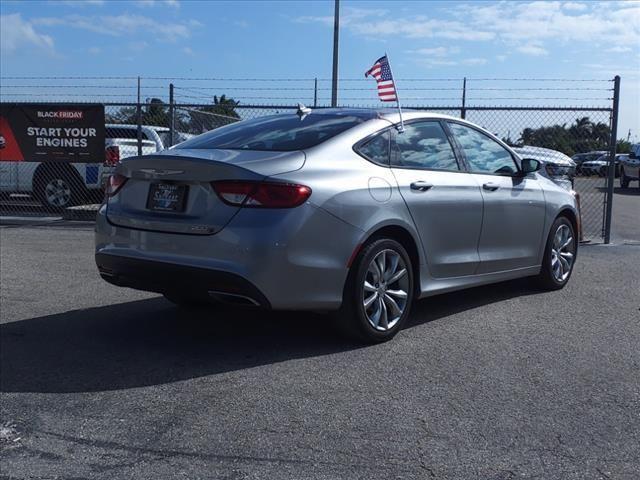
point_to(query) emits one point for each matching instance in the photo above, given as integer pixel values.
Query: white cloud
(501, 58)
(533, 28)
(443, 56)
(431, 62)
(436, 62)
(123, 25)
(80, 3)
(188, 51)
(436, 51)
(16, 33)
(138, 46)
(618, 49)
(366, 21)
(532, 49)
(94, 50)
(531, 25)
(474, 61)
(153, 3)
(578, 7)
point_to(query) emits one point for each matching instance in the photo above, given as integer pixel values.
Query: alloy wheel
(57, 193)
(562, 253)
(385, 290)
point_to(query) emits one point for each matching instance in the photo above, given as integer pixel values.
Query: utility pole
(336, 30)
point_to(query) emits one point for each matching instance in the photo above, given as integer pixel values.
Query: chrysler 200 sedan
(335, 210)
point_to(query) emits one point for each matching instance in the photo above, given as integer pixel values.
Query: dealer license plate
(167, 197)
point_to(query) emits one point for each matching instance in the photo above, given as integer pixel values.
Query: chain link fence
(583, 134)
(132, 128)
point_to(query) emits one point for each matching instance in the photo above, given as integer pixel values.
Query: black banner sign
(51, 133)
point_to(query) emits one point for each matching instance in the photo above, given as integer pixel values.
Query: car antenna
(302, 111)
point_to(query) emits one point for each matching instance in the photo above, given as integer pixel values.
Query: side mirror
(529, 165)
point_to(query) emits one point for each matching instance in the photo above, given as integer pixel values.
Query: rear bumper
(162, 277)
(289, 259)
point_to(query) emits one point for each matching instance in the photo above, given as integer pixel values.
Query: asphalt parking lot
(496, 382)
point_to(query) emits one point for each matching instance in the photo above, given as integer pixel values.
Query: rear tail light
(112, 156)
(261, 194)
(114, 184)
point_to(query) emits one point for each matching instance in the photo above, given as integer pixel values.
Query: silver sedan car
(337, 210)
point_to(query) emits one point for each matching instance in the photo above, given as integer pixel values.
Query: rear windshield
(275, 133)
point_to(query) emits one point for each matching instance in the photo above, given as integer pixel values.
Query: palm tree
(527, 136)
(222, 112)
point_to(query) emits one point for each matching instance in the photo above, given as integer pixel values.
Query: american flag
(382, 73)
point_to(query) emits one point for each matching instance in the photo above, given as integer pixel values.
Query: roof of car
(390, 114)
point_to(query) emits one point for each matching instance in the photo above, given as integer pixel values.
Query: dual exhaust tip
(233, 299)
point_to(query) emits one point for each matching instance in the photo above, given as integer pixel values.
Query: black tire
(185, 301)
(546, 279)
(624, 180)
(58, 188)
(352, 318)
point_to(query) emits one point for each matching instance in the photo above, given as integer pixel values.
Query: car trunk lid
(172, 192)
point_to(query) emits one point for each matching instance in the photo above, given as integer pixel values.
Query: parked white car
(60, 185)
(601, 165)
(556, 166)
(630, 167)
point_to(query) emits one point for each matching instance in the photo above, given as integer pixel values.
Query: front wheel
(624, 180)
(379, 292)
(559, 256)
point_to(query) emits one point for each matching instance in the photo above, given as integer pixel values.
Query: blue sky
(293, 40)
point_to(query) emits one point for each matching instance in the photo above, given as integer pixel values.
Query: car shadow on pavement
(151, 342)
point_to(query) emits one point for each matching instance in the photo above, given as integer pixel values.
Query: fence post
(612, 159)
(139, 120)
(463, 110)
(171, 116)
(315, 92)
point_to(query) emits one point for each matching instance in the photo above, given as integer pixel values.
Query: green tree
(623, 146)
(582, 136)
(221, 112)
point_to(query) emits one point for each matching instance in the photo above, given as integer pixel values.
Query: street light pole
(336, 30)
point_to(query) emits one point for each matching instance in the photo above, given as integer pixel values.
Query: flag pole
(401, 129)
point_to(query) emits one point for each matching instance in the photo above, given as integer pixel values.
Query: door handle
(421, 186)
(492, 187)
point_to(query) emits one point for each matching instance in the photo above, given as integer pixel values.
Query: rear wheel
(624, 180)
(559, 256)
(379, 292)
